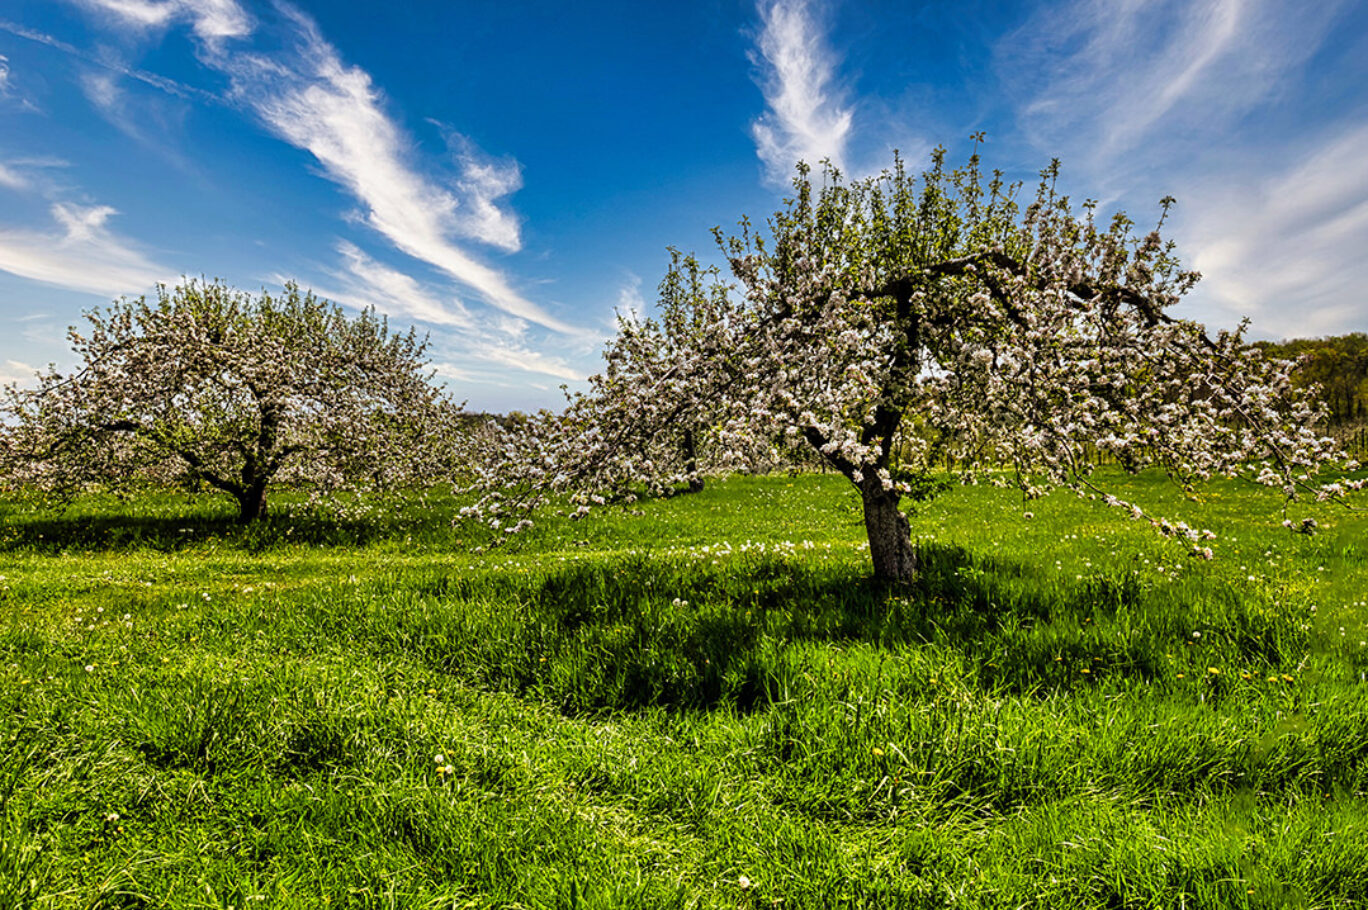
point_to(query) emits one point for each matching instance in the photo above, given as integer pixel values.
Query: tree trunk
(691, 462)
(890, 536)
(252, 502)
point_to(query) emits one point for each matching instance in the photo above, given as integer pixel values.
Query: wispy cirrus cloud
(102, 90)
(16, 372)
(366, 283)
(309, 97)
(10, 96)
(490, 343)
(82, 254)
(806, 116)
(1096, 80)
(27, 174)
(524, 358)
(212, 20)
(107, 61)
(1286, 248)
(1170, 95)
(631, 303)
(483, 182)
(11, 178)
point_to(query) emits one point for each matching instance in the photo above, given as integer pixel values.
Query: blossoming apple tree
(890, 323)
(210, 385)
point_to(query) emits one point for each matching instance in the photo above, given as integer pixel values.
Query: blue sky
(505, 176)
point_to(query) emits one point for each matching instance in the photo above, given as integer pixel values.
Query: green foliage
(1337, 366)
(657, 704)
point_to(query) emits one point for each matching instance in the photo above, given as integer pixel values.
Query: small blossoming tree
(890, 323)
(646, 425)
(211, 385)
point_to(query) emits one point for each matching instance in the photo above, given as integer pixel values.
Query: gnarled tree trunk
(890, 535)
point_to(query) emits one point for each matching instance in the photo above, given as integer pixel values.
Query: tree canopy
(886, 323)
(206, 384)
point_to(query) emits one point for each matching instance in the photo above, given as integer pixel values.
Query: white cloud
(1161, 95)
(483, 182)
(28, 173)
(84, 255)
(9, 93)
(630, 302)
(452, 371)
(150, 119)
(806, 117)
(11, 178)
(317, 103)
(102, 91)
(488, 343)
(212, 20)
(1287, 249)
(15, 372)
(1097, 80)
(367, 283)
(523, 358)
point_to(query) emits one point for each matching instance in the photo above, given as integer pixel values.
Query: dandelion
(878, 753)
(1214, 671)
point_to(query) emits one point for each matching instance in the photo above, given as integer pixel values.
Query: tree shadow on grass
(597, 636)
(56, 531)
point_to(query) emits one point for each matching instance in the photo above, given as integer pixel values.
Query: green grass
(695, 702)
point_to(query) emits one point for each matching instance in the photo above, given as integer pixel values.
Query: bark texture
(890, 536)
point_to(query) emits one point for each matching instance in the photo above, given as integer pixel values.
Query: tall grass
(697, 702)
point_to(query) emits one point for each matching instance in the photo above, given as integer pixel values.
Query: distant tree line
(1338, 366)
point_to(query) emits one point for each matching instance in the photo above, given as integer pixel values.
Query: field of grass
(695, 702)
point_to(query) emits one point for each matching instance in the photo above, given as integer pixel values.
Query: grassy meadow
(693, 702)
